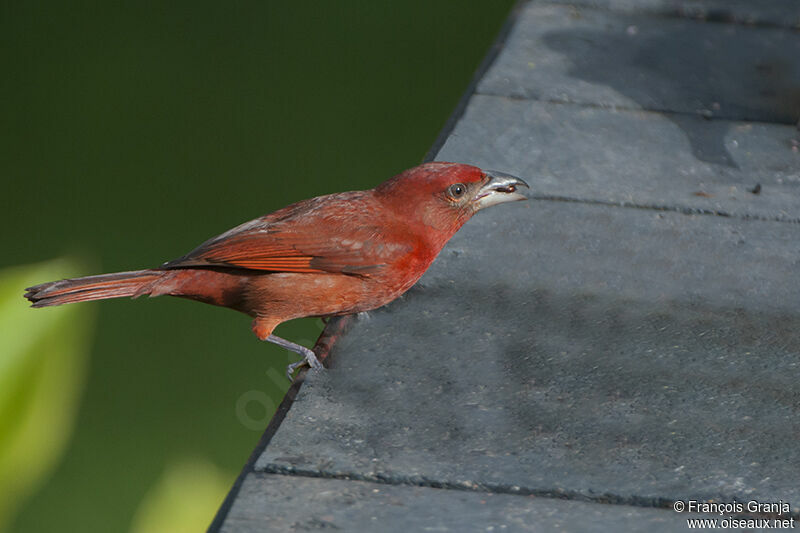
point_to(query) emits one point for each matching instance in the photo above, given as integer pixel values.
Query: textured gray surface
(634, 156)
(604, 347)
(784, 13)
(648, 356)
(596, 57)
(270, 503)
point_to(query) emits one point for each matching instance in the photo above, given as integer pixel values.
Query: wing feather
(342, 233)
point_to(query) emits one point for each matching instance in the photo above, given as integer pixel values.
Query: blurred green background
(133, 132)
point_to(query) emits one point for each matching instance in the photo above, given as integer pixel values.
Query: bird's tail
(101, 287)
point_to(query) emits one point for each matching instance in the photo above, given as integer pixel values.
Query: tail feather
(101, 287)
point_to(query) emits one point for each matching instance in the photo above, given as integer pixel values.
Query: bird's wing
(337, 233)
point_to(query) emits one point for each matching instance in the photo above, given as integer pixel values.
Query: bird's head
(445, 195)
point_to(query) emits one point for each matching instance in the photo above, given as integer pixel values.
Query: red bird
(331, 255)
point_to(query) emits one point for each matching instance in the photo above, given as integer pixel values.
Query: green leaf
(43, 358)
(184, 500)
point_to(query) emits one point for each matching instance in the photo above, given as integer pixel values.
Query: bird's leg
(308, 356)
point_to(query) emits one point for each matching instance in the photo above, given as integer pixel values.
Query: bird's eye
(456, 190)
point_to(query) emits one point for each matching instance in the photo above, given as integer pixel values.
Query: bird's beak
(500, 188)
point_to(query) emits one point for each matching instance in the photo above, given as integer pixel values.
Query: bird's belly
(285, 296)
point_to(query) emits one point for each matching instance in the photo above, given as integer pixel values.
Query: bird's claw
(310, 361)
(294, 366)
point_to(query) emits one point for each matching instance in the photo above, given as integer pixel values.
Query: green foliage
(42, 367)
(184, 500)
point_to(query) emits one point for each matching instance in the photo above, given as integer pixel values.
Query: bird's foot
(309, 358)
(294, 366)
(310, 361)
